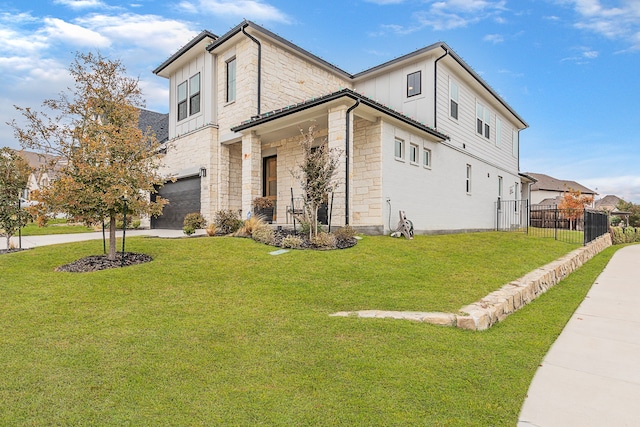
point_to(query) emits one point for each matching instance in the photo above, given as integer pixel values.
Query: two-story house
(422, 133)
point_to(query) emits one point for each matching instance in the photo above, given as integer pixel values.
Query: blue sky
(570, 68)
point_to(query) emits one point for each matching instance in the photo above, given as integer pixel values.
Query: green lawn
(215, 331)
(54, 227)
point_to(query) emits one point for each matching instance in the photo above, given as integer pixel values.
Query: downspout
(435, 88)
(346, 152)
(259, 63)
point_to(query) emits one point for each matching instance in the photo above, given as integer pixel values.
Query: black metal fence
(579, 226)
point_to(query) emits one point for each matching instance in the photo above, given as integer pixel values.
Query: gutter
(435, 87)
(259, 63)
(346, 151)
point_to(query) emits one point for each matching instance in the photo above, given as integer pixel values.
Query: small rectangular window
(194, 94)
(468, 181)
(182, 101)
(414, 84)
(231, 80)
(414, 152)
(483, 120)
(453, 99)
(426, 157)
(399, 149)
(500, 187)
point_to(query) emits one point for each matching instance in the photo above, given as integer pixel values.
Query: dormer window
(414, 84)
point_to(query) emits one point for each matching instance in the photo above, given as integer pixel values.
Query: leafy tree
(106, 160)
(316, 175)
(634, 212)
(14, 175)
(573, 204)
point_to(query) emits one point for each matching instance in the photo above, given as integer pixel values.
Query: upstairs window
(194, 94)
(399, 149)
(414, 84)
(453, 99)
(231, 80)
(182, 101)
(413, 154)
(483, 117)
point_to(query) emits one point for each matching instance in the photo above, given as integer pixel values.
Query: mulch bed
(101, 262)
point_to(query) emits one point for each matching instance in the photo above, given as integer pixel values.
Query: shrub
(131, 224)
(324, 240)
(621, 235)
(250, 225)
(193, 222)
(345, 233)
(264, 235)
(291, 241)
(211, 229)
(262, 203)
(227, 221)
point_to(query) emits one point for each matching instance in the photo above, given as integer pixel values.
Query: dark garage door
(184, 197)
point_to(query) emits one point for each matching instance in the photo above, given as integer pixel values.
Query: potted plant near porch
(263, 207)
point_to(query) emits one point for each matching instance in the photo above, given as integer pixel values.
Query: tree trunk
(112, 237)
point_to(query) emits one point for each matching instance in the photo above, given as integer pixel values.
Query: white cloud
(250, 9)
(493, 38)
(626, 187)
(75, 35)
(81, 4)
(621, 22)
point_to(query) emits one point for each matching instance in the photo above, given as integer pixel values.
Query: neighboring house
(422, 133)
(547, 191)
(608, 203)
(44, 169)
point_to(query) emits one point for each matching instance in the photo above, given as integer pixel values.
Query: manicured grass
(55, 227)
(215, 331)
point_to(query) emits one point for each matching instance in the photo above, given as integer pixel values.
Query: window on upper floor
(399, 149)
(516, 143)
(453, 99)
(414, 152)
(426, 158)
(483, 120)
(498, 131)
(468, 181)
(414, 84)
(231, 80)
(182, 101)
(194, 94)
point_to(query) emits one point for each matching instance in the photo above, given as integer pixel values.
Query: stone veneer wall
(496, 306)
(366, 182)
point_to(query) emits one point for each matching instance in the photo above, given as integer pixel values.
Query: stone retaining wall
(496, 306)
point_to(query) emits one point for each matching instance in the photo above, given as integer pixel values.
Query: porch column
(251, 168)
(336, 140)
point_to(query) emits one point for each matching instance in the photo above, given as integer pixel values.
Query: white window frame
(414, 153)
(231, 78)
(194, 94)
(426, 158)
(500, 186)
(399, 149)
(483, 120)
(181, 95)
(454, 96)
(468, 180)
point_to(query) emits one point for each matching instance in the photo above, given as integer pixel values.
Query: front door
(270, 181)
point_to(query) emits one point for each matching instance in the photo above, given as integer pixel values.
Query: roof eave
(197, 39)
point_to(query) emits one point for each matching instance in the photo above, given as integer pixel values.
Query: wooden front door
(270, 181)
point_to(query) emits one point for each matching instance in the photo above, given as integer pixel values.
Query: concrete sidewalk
(591, 375)
(29, 242)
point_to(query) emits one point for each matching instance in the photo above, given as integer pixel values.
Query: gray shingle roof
(549, 183)
(158, 122)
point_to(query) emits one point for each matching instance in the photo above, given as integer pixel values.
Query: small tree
(316, 174)
(106, 160)
(634, 212)
(14, 176)
(573, 204)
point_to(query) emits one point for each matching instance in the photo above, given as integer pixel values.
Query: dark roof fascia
(238, 29)
(269, 116)
(528, 177)
(456, 58)
(197, 39)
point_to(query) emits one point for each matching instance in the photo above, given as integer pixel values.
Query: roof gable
(549, 183)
